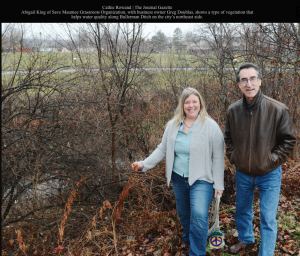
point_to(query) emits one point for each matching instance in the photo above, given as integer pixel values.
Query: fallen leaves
(148, 229)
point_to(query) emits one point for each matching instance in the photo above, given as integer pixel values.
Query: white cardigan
(206, 153)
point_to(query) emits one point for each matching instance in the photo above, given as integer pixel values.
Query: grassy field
(25, 61)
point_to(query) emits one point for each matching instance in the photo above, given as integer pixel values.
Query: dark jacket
(261, 139)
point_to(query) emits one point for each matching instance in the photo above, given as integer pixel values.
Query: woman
(193, 145)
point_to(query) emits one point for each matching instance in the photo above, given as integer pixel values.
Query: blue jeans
(192, 205)
(269, 190)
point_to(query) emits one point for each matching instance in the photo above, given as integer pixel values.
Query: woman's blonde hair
(179, 112)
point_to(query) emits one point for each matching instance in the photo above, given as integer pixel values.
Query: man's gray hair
(247, 65)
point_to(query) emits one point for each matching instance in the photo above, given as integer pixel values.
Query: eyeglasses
(252, 79)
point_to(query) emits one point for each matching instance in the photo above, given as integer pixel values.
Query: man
(259, 136)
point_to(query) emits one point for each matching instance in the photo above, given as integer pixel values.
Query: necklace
(186, 125)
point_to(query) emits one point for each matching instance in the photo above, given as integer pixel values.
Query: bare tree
(33, 141)
(119, 69)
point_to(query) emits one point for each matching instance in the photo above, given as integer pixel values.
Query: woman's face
(191, 106)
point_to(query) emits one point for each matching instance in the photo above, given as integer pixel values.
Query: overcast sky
(168, 28)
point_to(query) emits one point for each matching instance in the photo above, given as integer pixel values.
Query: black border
(264, 12)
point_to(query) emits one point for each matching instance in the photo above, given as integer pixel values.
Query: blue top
(182, 152)
(250, 106)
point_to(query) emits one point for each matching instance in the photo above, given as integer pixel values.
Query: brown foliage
(58, 128)
(67, 210)
(21, 244)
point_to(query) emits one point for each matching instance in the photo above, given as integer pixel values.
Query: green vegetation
(46, 61)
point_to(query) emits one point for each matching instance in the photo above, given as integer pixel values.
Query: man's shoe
(239, 246)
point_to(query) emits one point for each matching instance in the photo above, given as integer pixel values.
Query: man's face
(249, 89)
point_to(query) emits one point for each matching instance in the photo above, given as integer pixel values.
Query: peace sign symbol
(216, 240)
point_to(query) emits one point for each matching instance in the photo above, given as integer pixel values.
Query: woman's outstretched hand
(137, 166)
